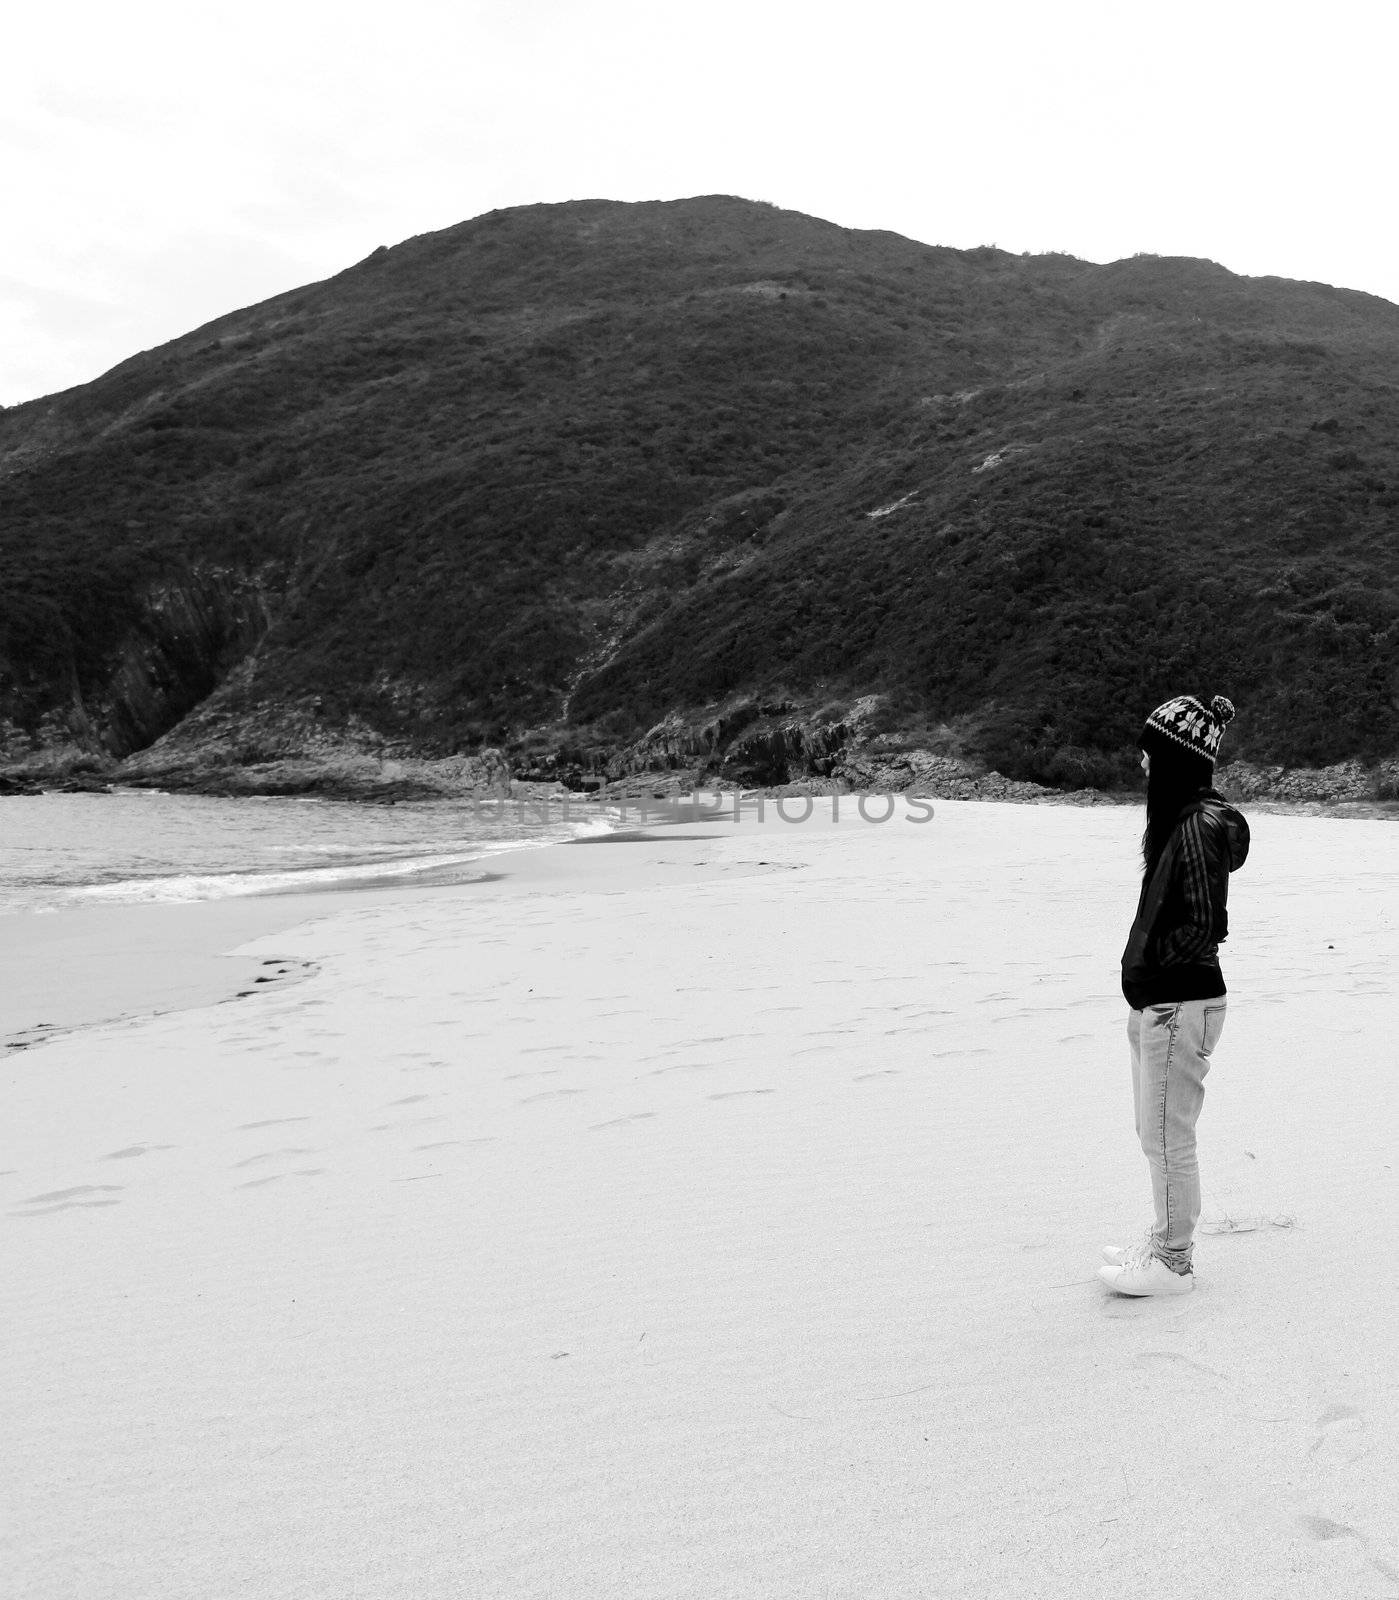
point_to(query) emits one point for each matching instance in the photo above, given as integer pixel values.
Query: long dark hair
(1175, 777)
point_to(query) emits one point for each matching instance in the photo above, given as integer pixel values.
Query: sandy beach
(710, 1213)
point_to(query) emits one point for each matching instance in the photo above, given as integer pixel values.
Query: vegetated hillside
(562, 473)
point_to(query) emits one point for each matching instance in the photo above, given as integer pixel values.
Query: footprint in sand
(1340, 1437)
(276, 1177)
(274, 1155)
(69, 1194)
(1325, 1528)
(41, 1205)
(1175, 1361)
(29, 1037)
(279, 970)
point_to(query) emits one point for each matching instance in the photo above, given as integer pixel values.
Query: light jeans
(1171, 1047)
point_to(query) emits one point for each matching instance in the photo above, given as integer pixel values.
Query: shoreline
(146, 959)
(92, 965)
(654, 792)
(86, 966)
(359, 777)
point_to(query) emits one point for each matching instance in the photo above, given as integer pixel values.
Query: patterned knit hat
(1191, 726)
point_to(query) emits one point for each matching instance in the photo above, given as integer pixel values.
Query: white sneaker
(1143, 1274)
(1117, 1255)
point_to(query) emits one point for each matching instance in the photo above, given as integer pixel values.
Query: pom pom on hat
(1190, 726)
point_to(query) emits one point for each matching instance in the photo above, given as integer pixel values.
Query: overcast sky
(165, 161)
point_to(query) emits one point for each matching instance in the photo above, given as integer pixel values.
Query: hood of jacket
(1230, 823)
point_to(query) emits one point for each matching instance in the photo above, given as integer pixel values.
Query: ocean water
(63, 850)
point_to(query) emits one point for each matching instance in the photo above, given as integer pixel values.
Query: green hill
(560, 474)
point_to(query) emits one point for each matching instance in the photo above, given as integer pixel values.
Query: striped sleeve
(1194, 938)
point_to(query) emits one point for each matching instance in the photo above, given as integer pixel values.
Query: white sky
(165, 161)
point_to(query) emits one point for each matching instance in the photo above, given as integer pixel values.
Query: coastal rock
(1346, 781)
(752, 743)
(187, 634)
(342, 775)
(924, 773)
(189, 637)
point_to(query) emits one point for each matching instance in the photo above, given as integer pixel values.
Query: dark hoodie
(1182, 917)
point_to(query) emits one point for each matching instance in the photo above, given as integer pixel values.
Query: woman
(1171, 978)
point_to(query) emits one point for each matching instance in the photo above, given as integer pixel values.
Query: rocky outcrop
(921, 772)
(236, 742)
(190, 633)
(289, 749)
(1347, 781)
(753, 743)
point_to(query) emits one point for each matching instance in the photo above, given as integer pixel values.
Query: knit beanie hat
(1190, 726)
